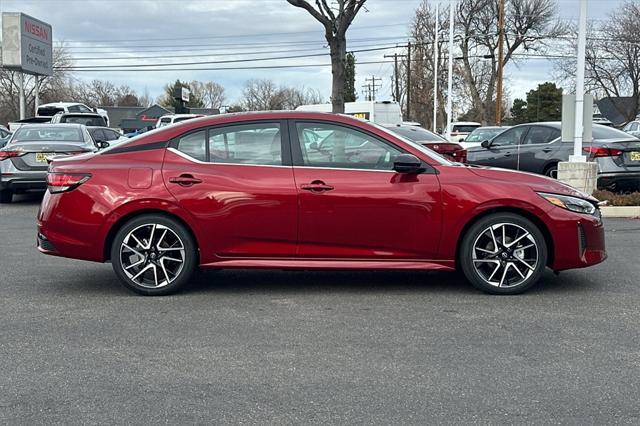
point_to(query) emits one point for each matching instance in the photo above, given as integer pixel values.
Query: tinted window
(509, 137)
(97, 135)
(49, 111)
(604, 132)
(193, 145)
(328, 145)
(87, 120)
(81, 108)
(416, 134)
(258, 143)
(464, 128)
(111, 135)
(479, 135)
(74, 108)
(48, 134)
(541, 134)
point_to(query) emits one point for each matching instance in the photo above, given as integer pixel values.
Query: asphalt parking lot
(314, 347)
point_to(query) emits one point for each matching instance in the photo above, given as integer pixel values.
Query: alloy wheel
(505, 255)
(152, 255)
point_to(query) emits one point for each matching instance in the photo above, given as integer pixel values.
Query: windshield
(47, 134)
(465, 128)
(416, 134)
(479, 135)
(87, 120)
(430, 153)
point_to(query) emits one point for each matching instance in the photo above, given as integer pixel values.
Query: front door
(237, 182)
(502, 151)
(353, 205)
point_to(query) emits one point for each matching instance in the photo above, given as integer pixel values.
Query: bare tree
(336, 21)
(612, 65)
(264, 95)
(529, 26)
(211, 93)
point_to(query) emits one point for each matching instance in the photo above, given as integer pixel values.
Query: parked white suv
(168, 119)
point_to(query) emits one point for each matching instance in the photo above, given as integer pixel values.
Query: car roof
(492, 127)
(45, 125)
(61, 104)
(466, 123)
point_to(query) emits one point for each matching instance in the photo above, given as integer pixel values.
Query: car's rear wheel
(6, 195)
(503, 253)
(154, 255)
(552, 171)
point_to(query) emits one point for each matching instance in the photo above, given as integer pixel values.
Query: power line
(218, 62)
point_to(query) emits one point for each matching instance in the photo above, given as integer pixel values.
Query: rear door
(353, 205)
(540, 148)
(237, 182)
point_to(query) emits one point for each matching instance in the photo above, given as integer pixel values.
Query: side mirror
(485, 144)
(103, 144)
(314, 146)
(407, 163)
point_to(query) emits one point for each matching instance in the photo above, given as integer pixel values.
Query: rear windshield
(465, 128)
(604, 132)
(47, 134)
(49, 111)
(479, 135)
(91, 120)
(416, 134)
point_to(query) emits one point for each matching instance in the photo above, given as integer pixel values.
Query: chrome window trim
(194, 160)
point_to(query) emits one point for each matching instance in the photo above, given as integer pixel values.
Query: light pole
(452, 7)
(435, 73)
(577, 156)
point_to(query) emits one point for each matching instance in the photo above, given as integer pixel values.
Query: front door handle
(507, 154)
(185, 180)
(316, 186)
(547, 149)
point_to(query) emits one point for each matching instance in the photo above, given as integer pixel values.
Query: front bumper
(579, 240)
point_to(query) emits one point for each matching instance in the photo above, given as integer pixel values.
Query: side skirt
(349, 264)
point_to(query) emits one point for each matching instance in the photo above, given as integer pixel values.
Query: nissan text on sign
(26, 44)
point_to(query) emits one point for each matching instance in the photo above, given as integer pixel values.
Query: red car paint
(248, 216)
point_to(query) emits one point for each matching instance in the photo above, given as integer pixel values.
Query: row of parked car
(536, 148)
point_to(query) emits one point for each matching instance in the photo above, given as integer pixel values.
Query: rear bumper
(620, 178)
(23, 181)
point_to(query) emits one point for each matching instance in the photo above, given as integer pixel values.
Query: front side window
(328, 145)
(509, 137)
(257, 143)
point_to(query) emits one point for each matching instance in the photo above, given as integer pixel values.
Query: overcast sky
(242, 29)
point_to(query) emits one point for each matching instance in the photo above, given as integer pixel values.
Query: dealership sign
(26, 44)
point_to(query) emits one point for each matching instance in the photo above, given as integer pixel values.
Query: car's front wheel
(154, 255)
(503, 253)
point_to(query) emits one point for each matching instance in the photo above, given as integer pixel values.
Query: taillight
(10, 154)
(599, 151)
(61, 182)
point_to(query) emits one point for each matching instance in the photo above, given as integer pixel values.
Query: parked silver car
(24, 160)
(633, 128)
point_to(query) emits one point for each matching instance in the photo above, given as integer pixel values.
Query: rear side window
(258, 143)
(541, 134)
(193, 145)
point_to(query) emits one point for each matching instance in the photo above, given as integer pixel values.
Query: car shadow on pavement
(29, 198)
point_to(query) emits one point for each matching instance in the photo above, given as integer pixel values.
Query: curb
(626, 211)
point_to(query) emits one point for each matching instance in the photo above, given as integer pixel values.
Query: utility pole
(395, 56)
(500, 63)
(373, 87)
(452, 7)
(435, 71)
(409, 81)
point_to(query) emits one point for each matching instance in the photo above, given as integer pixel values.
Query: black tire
(180, 237)
(551, 171)
(6, 196)
(479, 276)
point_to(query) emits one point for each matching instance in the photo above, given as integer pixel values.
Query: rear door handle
(316, 186)
(185, 180)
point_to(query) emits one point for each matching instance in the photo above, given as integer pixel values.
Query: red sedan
(300, 190)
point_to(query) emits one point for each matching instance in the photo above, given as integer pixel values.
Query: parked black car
(537, 148)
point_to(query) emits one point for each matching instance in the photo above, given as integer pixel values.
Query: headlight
(574, 204)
